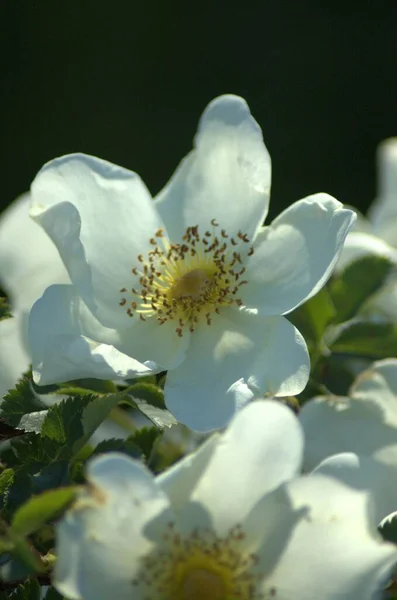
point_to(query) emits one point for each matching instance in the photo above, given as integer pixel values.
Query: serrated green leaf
(144, 439)
(94, 414)
(40, 509)
(31, 450)
(52, 594)
(352, 288)
(6, 479)
(63, 422)
(149, 392)
(388, 528)
(126, 446)
(28, 590)
(312, 317)
(364, 338)
(160, 417)
(19, 402)
(34, 460)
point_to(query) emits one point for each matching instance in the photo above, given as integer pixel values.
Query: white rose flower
(363, 426)
(234, 520)
(377, 234)
(29, 263)
(190, 282)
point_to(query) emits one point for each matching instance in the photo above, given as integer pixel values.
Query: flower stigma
(188, 282)
(200, 566)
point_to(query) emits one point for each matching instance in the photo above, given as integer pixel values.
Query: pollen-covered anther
(188, 282)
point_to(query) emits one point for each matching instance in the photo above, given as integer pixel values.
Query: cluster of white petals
(29, 263)
(190, 282)
(233, 520)
(377, 234)
(363, 426)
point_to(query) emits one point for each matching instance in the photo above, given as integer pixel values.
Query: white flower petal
(360, 244)
(377, 386)
(29, 261)
(295, 255)
(334, 425)
(333, 553)
(382, 306)
(226, 177)
(67, 342)
(383, 212)
(101, 217)
(14, 360)
(365, 423)
(150, 341)
(179, 481)
(261, 448)
(108, 529)
(229, 362)
(365, 473)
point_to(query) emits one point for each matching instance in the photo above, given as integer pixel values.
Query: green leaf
(41, 509)
(52, 594)
(149, 392)
(63, 422)
(94, 414)
(364, 338)
(352, 288)
(28, 590)
(25, 557)
(31, 450)
(388, 528)
(87, 386)
(22, 401)
(6, 479)
(127, 446)
(312, 317)
(36, 462)
(144, 439)
(160, 417)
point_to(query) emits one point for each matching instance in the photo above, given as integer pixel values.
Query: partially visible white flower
(364, 427)
(378, 233)
(190, 283)
(234, 520)
(364, 422)
(29, 263)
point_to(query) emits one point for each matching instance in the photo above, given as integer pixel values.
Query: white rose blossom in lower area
(377, 234)
(232, 521)
(362, 426)
(191, 282)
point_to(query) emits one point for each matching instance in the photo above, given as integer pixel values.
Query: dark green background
(127, 81)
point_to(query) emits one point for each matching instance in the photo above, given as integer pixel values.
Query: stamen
(188, 282)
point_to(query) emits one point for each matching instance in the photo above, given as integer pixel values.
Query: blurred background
(128, 80)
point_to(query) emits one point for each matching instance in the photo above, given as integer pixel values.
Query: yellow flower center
(200, 567)
(201, 583)
(188, 282)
